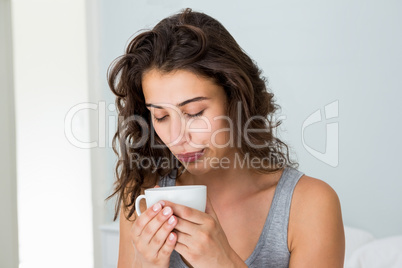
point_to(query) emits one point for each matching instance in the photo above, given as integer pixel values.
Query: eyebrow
(179, 104)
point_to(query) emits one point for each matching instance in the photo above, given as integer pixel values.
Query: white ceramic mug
(194, 196)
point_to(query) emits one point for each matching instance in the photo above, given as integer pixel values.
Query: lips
(186, 155)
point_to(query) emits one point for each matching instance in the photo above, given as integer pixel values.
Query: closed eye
(190, 115)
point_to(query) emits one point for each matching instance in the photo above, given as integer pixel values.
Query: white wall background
(54, 178)
(314, 53)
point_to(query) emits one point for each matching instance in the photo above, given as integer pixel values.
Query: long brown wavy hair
(195, 42)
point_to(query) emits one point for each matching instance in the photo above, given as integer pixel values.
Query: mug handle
(137, 204)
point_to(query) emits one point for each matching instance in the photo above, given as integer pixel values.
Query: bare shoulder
(313, 198)
(315, 225)
(311, 189)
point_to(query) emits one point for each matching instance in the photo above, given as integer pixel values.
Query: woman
(194, 110)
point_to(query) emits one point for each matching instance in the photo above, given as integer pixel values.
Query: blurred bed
(363, 250)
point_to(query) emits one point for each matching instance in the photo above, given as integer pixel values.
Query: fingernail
(171, 236)
(157, 207)
(166, 211)
(162, 203)
(171, 220)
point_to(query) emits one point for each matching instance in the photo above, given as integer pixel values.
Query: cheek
(162, 133)
(200, 129)
(220, 132)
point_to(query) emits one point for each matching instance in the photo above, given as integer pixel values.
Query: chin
(199, 168)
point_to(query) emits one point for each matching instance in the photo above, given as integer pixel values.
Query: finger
(169, 245)
(184, 238)
(159, 239)
(145, 242)
(187, 213)
(186, 226)
(155, 224)
(145, 218)
(181, 248)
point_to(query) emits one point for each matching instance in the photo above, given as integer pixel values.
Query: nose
(178, 132)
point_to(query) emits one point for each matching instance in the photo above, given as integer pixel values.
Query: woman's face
(188, 114)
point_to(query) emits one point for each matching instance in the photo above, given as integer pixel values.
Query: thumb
(157, 186)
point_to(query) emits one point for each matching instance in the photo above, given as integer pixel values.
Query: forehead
(177, 86)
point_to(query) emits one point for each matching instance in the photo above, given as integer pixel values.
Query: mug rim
(178, 188)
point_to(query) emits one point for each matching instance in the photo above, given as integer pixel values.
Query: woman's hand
(152, 236)
(201, 239)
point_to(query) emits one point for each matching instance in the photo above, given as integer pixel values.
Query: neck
(228, 185)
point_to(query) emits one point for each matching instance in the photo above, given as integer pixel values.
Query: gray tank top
(272, 247)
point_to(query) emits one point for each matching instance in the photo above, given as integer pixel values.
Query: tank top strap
(272, 246)
(280, 213)
(168, 179)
